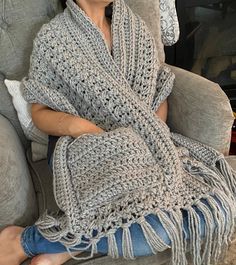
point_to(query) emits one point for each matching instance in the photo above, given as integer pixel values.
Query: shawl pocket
(99, 163)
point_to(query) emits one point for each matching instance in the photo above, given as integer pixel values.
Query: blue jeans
(34, 243)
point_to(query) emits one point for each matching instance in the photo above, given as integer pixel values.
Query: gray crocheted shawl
(136, 166)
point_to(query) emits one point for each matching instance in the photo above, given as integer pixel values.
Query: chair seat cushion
(232, 161)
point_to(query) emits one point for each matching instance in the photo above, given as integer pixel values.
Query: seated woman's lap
(139, 243)
(38, 244)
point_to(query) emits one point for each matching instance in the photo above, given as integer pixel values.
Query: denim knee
(33, 243)
(156, 224)
(24, 239)
(139, 243)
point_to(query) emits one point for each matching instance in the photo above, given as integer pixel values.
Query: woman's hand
(81, 126)
(162, 111)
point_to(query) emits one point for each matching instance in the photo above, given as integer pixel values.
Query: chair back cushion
(19, 23)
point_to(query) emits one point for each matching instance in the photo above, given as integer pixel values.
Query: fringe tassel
(230, 210)
(154, 241)
(194, 235)
(209, 176)
(228, 173)
(218, 230)
(112, 245)
(177, 218)
(210, 157)
(209, 228)
(218, 210)
(186, 247)
(127, 246)
(93, 243)
(49, 227)
(176, 244)
(47, 221)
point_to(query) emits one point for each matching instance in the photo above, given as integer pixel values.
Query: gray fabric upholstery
(232, 161)
(19, 22)
(199, 109)
(18, 203)
(43, 183)
(8, 111)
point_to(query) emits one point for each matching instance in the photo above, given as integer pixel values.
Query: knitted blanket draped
(136, 166)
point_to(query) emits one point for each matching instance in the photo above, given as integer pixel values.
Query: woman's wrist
(78, 126)
(73, 125)
(162, 110)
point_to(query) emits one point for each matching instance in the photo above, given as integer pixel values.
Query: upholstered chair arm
(17, 196)
(199, 109)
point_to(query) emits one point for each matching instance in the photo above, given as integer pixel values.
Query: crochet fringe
(216, 240)
(206, 250)
(227, 173)
(219, 165)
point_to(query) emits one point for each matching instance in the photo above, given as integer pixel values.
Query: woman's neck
(96, 11)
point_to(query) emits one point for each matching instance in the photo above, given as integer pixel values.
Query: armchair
(198, 108)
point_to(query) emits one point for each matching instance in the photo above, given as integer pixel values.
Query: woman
(47, 120)
(18, 243)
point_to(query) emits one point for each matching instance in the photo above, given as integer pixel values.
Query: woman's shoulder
(48, 30)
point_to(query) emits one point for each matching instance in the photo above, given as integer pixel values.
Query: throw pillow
(23, 109)
(169, 22)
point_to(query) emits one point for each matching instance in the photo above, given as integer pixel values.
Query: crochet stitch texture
(137, 166)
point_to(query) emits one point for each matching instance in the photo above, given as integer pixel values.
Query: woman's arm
(162, 110)
(61, 123)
